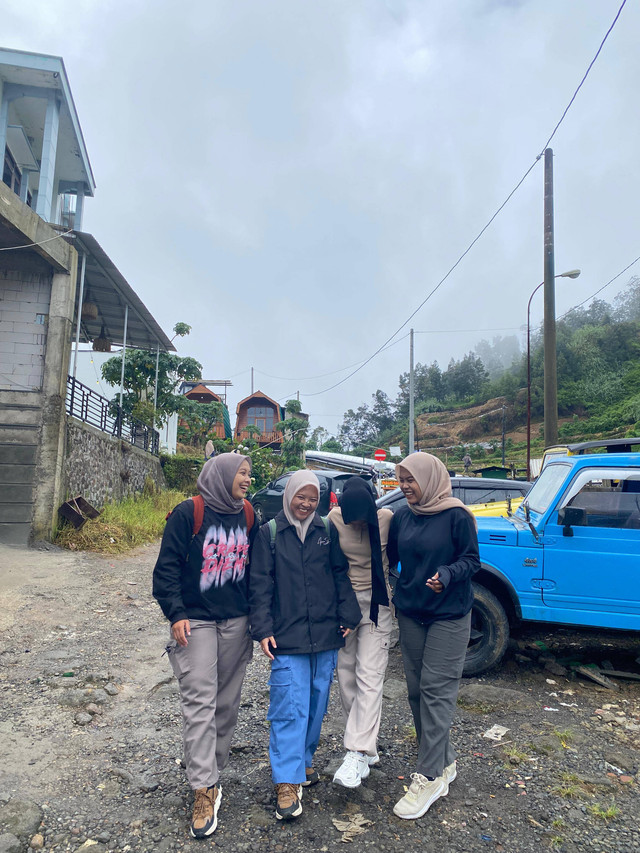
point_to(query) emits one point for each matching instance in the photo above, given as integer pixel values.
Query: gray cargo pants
(433, 657)
(210, 671)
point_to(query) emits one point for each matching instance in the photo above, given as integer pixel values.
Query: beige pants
(361, 667)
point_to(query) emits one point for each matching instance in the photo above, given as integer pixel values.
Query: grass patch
(558, 823)
(565, 736)
(556, 841)
(512, 751)
(409, 733)
(605, 814)
(572, 787)
(122, 525)
(475, 707)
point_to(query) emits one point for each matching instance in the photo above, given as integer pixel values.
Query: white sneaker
(373, 759)
(421, 795)
(449, 774)
(352, 771)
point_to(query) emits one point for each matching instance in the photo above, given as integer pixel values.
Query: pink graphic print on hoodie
(224, 557)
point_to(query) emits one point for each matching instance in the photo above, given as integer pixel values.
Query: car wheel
(489, 632)
(259, 513)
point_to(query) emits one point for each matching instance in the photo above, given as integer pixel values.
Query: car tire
(489, 632)
(259, 513)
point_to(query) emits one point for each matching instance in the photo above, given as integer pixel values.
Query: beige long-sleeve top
(354, 541)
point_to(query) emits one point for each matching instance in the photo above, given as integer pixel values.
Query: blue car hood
(498, 531)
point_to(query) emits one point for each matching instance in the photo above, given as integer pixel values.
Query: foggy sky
(292, 178)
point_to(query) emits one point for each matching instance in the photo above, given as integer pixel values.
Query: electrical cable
(31, 245)
(593, 295)
(487, 225)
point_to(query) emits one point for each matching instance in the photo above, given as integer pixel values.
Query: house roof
(201, 390)
(28, 73)
(256, 394)
(105, 286)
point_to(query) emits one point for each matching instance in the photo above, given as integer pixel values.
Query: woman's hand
(435, 584)
(180, 630)
(264, 645)
(345, 631)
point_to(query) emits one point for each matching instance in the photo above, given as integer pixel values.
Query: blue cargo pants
(298, 699)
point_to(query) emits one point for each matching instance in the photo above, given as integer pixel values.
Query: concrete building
(57, 285)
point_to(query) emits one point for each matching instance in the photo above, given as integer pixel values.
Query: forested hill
(598, 387)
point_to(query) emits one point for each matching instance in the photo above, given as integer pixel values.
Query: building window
(11, 175)
(261, 417)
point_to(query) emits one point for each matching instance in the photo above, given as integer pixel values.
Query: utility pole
(411, 394)
(549, 335)
(504, 409)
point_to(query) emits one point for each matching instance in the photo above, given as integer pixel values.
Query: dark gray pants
(210, 671)
(433, 658)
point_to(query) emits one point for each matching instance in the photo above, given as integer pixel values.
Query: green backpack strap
(272, 535)
(325, 520)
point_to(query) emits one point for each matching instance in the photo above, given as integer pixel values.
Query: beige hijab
(297, 481)
(434, 482)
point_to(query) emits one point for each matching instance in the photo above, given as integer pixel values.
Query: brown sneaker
(289, 805)
(205, 811)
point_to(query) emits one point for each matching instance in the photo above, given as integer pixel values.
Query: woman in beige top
(363, 532)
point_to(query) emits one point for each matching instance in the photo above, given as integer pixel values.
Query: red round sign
(380, 455)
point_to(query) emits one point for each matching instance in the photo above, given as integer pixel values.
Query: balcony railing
(91, 408)
(262, 438)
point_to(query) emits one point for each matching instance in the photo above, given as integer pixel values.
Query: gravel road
(91, 737)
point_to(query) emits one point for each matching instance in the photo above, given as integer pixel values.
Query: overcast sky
(292, 178)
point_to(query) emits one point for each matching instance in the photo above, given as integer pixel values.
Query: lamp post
(569, 274)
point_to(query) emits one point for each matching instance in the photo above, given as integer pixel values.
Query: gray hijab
(297, 481)
(216, 479)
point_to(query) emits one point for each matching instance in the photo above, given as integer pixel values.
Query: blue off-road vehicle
(569, 555)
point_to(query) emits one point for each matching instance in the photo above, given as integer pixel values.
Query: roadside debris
(352, 827)
(495, 732)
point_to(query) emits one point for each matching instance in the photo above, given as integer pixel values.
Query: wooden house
(199, 392)
(263, 412)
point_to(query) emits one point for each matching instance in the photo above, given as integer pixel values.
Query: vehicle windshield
(545, 489)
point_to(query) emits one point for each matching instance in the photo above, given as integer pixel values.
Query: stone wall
(102, 468)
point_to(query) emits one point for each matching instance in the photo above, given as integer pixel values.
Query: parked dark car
(472, 491)
(267, 502)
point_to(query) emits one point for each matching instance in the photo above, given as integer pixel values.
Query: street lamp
(569, 274)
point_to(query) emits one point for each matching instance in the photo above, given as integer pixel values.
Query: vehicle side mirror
(571, 516)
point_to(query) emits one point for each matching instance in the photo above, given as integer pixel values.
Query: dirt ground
(91, 736)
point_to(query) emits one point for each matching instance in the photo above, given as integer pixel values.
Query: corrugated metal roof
(106, 287)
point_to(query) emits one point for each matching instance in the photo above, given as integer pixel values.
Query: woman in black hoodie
(434, 537)
(201, 583)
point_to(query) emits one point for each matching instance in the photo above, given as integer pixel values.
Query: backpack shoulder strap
(325, 520)
(198, 513)
(249, 514)
(272, 535)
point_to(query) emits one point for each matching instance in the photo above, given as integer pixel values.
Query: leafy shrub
(181, 472)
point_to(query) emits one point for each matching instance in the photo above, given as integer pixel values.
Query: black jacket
(203, 576)
(425, 544)
(301, 594)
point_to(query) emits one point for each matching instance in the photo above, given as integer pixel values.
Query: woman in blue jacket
(434, 537)
(302, 608)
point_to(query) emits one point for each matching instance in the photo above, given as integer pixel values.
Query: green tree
(139, 380)
(197, 420)
(294, 434)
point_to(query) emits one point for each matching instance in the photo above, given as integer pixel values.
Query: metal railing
(91, 408)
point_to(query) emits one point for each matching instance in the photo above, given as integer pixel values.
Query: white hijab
(297, 481)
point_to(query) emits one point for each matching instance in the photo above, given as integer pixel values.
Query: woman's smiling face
(409, 486)
(304, 502)
(241, 481)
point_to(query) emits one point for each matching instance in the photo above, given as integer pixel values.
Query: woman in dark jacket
(302, 607)
(434, 538)
(201, 583)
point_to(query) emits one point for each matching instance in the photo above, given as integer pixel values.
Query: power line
(321, 375)
(593, 295)
(486, 226)
(456, 331)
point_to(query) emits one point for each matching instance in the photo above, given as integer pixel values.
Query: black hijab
(358, 504)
